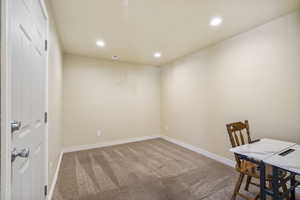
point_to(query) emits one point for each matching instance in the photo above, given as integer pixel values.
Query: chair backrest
(237, 131)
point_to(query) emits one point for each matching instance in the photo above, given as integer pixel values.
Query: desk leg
(262, 168)
(293, 183)
(275, 183)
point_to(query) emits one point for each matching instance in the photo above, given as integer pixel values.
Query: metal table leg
(262, 168)
(275, 183)
(293, 183)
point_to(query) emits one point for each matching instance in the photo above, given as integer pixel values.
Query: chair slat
(242, 137)
(236, 139)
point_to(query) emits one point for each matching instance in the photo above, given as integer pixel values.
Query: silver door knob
(15, 125)
(24, 153)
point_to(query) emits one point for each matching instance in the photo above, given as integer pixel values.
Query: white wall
(121, 100)
(253, 76)
(54, 97)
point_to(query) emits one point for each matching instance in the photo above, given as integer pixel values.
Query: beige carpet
(148, 170)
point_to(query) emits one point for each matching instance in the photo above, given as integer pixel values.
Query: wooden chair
(236, 132)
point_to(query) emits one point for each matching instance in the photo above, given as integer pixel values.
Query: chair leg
(270, 185)
(248, 183)
(285, 189)
(238, 186)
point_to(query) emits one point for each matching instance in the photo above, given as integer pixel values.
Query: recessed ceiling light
(115, 57)
(125, 3)
(100, 43)
(216, 21)
(157, 55)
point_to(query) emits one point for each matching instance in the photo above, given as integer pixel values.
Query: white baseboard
(213, 156)
(218, 158)
(50, 194)
(208, 154)
(105, 144)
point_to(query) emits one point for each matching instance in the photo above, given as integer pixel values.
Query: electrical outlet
(99, 133)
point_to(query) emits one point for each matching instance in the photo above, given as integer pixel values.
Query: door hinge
(46, 45)
(46, 190)
(46, 117)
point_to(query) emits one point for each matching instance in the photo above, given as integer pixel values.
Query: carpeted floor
(149, 170)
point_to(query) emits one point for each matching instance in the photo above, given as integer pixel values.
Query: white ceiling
(135, 29)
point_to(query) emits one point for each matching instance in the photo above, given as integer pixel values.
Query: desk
(290, 163)
(262, 151)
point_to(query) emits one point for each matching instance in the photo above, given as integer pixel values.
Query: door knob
(24, 153)
(15, 125)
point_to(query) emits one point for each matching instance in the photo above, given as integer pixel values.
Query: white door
(27, 58)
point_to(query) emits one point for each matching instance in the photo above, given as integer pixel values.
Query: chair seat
(252, 169)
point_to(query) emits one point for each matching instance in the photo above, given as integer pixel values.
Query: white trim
(5, 193)
(213, 156)
(45, 11)
(91, 146)
(105, 144)
(86, 147)
(5, 104)
(208, 154)
(51, 189)
(221, 159)
(46, 136)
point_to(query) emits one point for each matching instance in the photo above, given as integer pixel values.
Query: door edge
(5, 105)
(46, 140)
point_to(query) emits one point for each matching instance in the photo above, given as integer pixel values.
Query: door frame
(5, 135)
